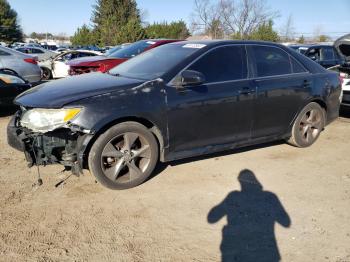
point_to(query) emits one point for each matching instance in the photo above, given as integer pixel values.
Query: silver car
(39, 52)
(24, 65)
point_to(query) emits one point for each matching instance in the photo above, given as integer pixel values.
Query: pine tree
(174, 30)
(10, 31)
(84, 36)
(265, 32)
(115, 21)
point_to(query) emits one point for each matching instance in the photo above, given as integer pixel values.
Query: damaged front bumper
(65, 146)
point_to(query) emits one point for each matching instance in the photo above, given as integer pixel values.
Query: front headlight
(11, 79)
(46, 120)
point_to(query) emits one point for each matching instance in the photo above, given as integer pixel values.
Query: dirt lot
(166, 219)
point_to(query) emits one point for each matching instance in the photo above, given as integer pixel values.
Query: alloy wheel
(311, 125)
(126, 157)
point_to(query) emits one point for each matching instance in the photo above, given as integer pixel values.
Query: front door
(218, 111)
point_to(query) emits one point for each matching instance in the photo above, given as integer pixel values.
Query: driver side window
(223, 64)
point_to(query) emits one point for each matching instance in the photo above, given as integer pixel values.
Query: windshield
(114, 49)
(154, 63)
(132, 50)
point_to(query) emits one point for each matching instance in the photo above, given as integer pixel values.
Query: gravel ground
(257, 204)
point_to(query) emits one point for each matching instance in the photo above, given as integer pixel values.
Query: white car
(57, 67)
(343, 46)
(346, 88)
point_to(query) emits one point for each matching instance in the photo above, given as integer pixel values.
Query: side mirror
(191, 78)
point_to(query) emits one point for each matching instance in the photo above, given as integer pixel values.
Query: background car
(41, 53)
(10, 87)
(344, 73)
(20, 64)
(325, 55)
(57, 67)
(299, 48)
(346, 87)
(342, 44)
(105, 63)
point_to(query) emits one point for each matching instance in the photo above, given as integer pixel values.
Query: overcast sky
(64, 16)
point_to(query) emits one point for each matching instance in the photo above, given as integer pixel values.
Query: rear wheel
(308, 126)
(124, 156)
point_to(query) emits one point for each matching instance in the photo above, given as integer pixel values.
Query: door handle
(246, 91)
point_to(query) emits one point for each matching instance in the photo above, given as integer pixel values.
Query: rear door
(283, 85)
(218, 111)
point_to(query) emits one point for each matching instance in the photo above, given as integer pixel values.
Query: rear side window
(271, 61)
(297, 67)
(223, 64)
(37, 51)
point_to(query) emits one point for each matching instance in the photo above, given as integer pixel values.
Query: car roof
(13, 52)
(212, 43)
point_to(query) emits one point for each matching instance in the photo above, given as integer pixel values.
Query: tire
(124, 156)
(308, 126)
(47, 74)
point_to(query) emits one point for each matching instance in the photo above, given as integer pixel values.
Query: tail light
(342, 76)
(31, 61)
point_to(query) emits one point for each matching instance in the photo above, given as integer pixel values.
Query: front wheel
(124, 156)
(47, 74)
(308, 126)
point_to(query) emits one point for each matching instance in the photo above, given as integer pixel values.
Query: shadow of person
(251, 215)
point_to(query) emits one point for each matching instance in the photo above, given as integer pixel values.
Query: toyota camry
(176, 101)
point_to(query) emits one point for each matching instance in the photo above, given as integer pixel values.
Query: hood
(343, 46)
(56, 94)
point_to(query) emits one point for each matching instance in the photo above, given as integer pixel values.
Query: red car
(105, 63)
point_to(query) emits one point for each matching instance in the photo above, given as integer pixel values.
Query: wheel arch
(317, 100)
(320, 102)
(143, 121)
(50, 70)
(11, 70)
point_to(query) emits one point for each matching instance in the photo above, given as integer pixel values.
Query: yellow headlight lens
(71, 113)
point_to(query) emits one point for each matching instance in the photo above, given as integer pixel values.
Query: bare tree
(206, 19)
(318, 29)
(242, 17)
(288, 30)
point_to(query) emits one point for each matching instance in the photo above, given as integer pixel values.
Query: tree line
(121, 21)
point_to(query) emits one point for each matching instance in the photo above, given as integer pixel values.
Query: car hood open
(343, 46)
(56, 94)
